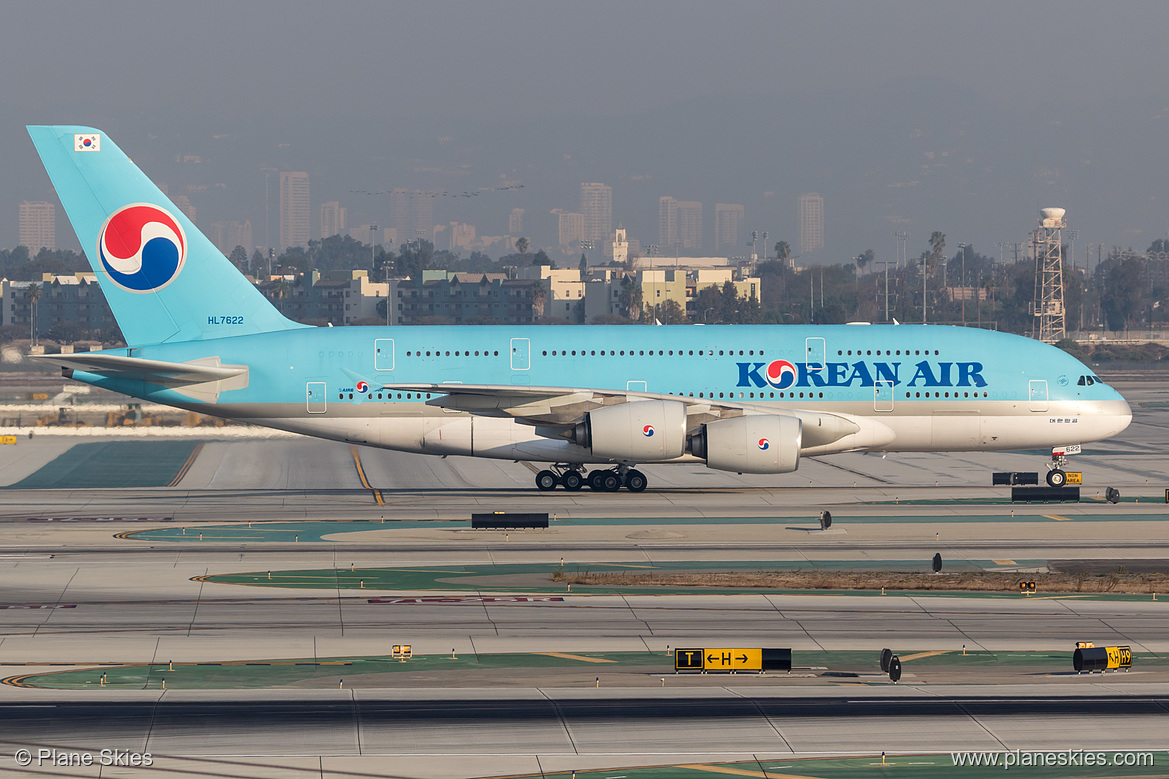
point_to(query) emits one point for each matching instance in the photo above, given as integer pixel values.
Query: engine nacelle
(750, 444)
(639, 431)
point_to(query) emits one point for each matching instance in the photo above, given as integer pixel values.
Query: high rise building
(728, 223)
(689, 225)
(295, 220)
(400, 214)
(620, 246)
(412, 215)
(38, 225)
(332, 219)
(572, 230)
(515, 222)
(228, 235)
(811, 223)
(184, 204)
(422, 216)
(596, 203)
(667, 221)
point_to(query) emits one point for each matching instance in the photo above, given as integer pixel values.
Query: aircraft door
(521, 354)
(883, 395)
(383, 354)
(815, 353)
(1037, 394)
(314, 394)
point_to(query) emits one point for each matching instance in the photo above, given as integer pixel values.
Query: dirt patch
(970, 581)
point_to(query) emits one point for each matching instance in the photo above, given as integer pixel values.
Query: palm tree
(521, 246)
(782, 251)
(539, 297)
(281, 289)
(33, 293)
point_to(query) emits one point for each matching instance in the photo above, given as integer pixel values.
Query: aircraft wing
(560, 408)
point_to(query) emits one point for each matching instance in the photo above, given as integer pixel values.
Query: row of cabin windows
(388, 396)
(888, 352)
(793, 395)
(458, 353)
(651, 353)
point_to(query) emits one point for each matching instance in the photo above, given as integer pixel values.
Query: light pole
(901, 237)
(886, 263)
(962, 247)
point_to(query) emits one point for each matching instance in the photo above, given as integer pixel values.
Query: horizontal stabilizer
(170, 373)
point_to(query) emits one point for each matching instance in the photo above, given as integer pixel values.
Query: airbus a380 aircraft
(748, 399)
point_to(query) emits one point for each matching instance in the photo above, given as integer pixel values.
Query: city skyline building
(596, 204)
(295, 222)
(571, 230)
(515, 222)
(333, 219)
(689, 225)
(412, 215)
(811, 222)
(228, 235)
(728, 224)
(38, 225)
(667, 220)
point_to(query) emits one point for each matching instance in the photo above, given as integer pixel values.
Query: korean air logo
(362, 387)
(764, 444)
(142, 248)
(780, 374)
(648, 431)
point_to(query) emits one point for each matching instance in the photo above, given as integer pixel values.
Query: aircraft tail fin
(164, 280)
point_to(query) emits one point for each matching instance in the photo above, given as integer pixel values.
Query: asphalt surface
(83, 588)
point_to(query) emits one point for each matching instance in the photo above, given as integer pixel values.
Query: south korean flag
(82, 142)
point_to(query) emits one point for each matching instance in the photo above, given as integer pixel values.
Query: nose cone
(1109, 418)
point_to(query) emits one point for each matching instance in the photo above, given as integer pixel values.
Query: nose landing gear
(1057, 474)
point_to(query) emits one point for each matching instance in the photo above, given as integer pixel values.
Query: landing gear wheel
(594, 480)
(571, 481)
(546, 481)
(1057, 478)
(635, 481)
(609, 481)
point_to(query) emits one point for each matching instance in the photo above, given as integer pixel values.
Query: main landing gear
(572, 478)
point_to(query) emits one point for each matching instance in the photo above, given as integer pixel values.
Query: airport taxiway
(118, 579)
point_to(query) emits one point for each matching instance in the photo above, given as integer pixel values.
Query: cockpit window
(1082, 382)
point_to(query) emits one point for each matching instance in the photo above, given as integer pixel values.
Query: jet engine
(638, 431)
(750, 444)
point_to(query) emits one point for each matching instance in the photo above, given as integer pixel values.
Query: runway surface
(126, 580)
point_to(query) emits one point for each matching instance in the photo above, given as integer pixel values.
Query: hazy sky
(551, 57)
(264, 65)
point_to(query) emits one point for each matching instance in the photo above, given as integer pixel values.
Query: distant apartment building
(333, 217)
(596, 204)
(811, 223)
(75, 298)
(515, 222)
(464, 298)
(294, 209)
(228, 235)
(728, 225)
(689, 225)
(571, 230)
(340, 298)
(38, 225)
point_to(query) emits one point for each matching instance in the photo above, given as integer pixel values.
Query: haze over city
(902, 115)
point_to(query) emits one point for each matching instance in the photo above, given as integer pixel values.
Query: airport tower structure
(1047, 242)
